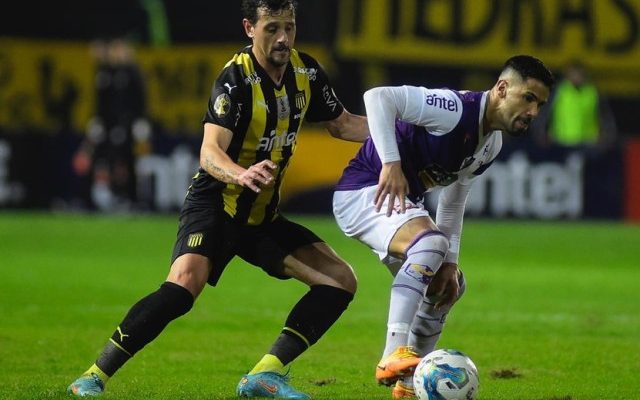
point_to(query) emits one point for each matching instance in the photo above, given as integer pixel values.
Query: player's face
(273, 36)
(521, 104)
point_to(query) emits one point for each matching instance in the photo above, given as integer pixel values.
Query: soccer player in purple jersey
(420, 139)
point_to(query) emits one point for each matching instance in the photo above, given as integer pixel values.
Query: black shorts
(213, 234)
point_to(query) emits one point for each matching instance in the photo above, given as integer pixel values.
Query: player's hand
(393, 184)
(257, 175)
(445, 286)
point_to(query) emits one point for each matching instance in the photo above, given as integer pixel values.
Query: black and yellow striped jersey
(265, 119)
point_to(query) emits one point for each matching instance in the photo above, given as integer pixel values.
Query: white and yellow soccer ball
(446, 374)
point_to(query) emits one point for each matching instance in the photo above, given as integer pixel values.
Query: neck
(275, 73)
(489, 113)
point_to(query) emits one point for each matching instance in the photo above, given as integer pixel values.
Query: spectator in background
(578, 114)
(119, 130)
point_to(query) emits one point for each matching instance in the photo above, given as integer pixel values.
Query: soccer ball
(446, 374)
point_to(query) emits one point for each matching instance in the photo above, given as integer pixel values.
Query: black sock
(144, 322)
(111, 359)
(309, 319)
(287, 347)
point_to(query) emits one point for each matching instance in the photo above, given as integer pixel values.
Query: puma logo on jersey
(229, 87)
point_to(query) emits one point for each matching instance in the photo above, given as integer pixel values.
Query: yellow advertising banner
(44, 85)
(49, 85)
(604, 34)
(179, 81)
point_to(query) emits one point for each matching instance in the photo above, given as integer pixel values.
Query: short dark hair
(530, 67)
(250, 7)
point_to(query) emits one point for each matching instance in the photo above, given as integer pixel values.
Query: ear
(502, 86)
(248, 28)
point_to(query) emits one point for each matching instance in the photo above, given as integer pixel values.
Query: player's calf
(428, 322)
(424, 257)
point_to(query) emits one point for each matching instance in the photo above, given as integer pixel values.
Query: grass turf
(551, 312)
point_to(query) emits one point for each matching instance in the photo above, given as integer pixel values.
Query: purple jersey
(430, 160)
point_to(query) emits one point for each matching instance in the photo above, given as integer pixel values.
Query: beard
(278, 58)
(520, 126)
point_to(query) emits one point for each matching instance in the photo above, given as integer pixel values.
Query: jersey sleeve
(450, 215)
(437, 110)
(324, 104)
(228, 93)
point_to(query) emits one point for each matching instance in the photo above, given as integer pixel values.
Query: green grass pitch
(552, 312)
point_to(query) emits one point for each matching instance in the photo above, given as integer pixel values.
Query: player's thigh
(406, 234)
(285, 249)
(319, 264)
(356, 215)
(203, 247)
(267, 245)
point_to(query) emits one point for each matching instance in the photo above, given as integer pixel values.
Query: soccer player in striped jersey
(421, 139)
(255, 112)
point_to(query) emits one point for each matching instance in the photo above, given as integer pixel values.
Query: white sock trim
(398, 327)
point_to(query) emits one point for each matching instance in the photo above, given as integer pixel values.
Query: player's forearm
(218, 164)
(452, 228)
(349, 127)
(449, 217)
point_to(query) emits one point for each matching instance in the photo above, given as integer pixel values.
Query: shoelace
(282, 377)
(97, 380)
(409, 351)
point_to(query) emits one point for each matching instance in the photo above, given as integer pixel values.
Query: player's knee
(346, 279)
(177, 299)
(430, 241)
(441, 242)
(190, 271)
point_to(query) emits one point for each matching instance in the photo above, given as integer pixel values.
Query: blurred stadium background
(50, 95)
(551, 303)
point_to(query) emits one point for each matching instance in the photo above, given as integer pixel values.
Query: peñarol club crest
(301, 100)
